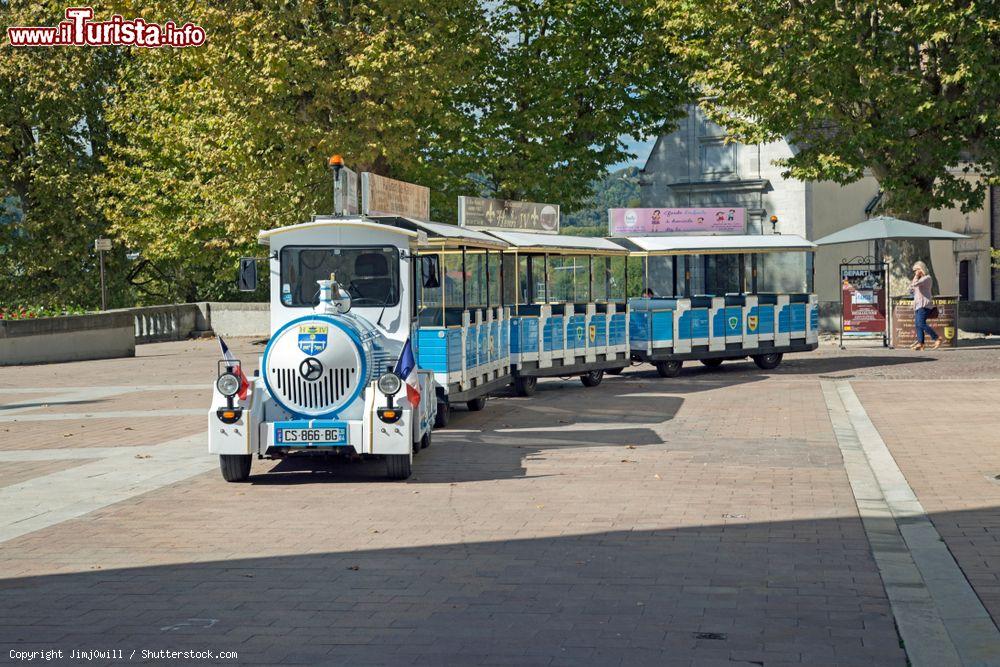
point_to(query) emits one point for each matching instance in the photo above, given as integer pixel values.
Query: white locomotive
(332, 377)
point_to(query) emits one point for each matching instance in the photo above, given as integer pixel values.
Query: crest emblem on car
(734, 322)
(312, 338)
(752, 322)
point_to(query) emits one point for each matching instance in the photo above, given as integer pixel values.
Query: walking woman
(922, 304)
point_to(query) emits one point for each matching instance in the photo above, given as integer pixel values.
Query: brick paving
(951, 460)
(701, 520)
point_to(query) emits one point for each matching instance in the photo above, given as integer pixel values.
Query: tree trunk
(902, 254)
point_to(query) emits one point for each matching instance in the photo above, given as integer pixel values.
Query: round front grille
(314, 366)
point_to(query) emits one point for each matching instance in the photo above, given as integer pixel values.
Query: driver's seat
(371, 278)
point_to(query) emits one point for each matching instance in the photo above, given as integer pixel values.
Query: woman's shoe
(936, 345)
(914, 345)
(919, 347)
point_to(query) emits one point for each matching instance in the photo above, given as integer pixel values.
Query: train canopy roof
(558, 244)
(319, 223)
(718, 244)
(440, 235)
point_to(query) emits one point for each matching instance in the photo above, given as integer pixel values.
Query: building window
(717, 158)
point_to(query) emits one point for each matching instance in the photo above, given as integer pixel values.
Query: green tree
(221, 141)
(53, 135)
(564, 80)
(909, 91)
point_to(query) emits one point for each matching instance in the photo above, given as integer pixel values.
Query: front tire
(443, 415)
(525, 385)
(669, 369)
(425, 441)
(398, 466)
(714, 362)
(592, 379)
(235, 467)
(476, 404)
(768, 361)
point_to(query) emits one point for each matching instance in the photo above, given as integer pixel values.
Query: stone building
(693, 166)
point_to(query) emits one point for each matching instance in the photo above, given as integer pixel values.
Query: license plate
(314, 436)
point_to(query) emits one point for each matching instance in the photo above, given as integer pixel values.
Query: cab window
(369, 274)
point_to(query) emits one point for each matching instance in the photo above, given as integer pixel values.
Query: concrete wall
(979, 317)
(236, 319)
(70, 338)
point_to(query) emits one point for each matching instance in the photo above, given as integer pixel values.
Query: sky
(640, 148)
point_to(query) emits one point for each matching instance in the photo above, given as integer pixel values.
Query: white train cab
(339, 373)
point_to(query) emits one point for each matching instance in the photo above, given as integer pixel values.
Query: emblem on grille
(313, 338)
(311, 369)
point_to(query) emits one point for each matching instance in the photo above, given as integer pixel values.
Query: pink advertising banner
(627, 221)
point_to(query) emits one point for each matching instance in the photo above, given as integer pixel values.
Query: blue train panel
(640, 326)
(728, 322)
(598, 330)
(472, 347)
(553, 334)
(439, 350)
(760, 320)
(616, 330)
(814, 319)
(792, 318)
(663, 325)
(523, 334)
(694, 323)
(576, 334)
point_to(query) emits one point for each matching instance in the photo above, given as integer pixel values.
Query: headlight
(228, 384)
(389, 384)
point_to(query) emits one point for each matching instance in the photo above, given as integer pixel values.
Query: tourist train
(382, 325)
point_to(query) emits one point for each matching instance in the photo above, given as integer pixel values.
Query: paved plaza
(843, 509)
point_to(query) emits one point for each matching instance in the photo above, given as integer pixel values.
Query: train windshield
(369, 274)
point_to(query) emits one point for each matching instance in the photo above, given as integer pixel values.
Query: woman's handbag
(933, 313)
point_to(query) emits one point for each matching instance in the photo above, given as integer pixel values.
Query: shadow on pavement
(740, 593)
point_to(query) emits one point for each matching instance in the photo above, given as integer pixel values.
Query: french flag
(237, 369)
(406, 369)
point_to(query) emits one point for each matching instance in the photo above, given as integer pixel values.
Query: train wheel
(669, 369)
(443, 415)
(476, 404)
(525, 385)
(425, 441)
(235, 467)
(592, 379)
(398, 466)
(714, 362)
(768, 361)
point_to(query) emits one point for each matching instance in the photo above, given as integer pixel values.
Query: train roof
(265, 235)
(446, 236)
(718, 244)
(558, 243)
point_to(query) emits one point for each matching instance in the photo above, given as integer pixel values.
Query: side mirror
(430, 271)
(247, 280)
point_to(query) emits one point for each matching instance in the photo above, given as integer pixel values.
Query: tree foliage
(53, 134)
(224, 140)
(907, 90)
(563, 82)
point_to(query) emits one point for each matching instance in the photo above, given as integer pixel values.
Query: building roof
(558, 243)
(718, 244)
